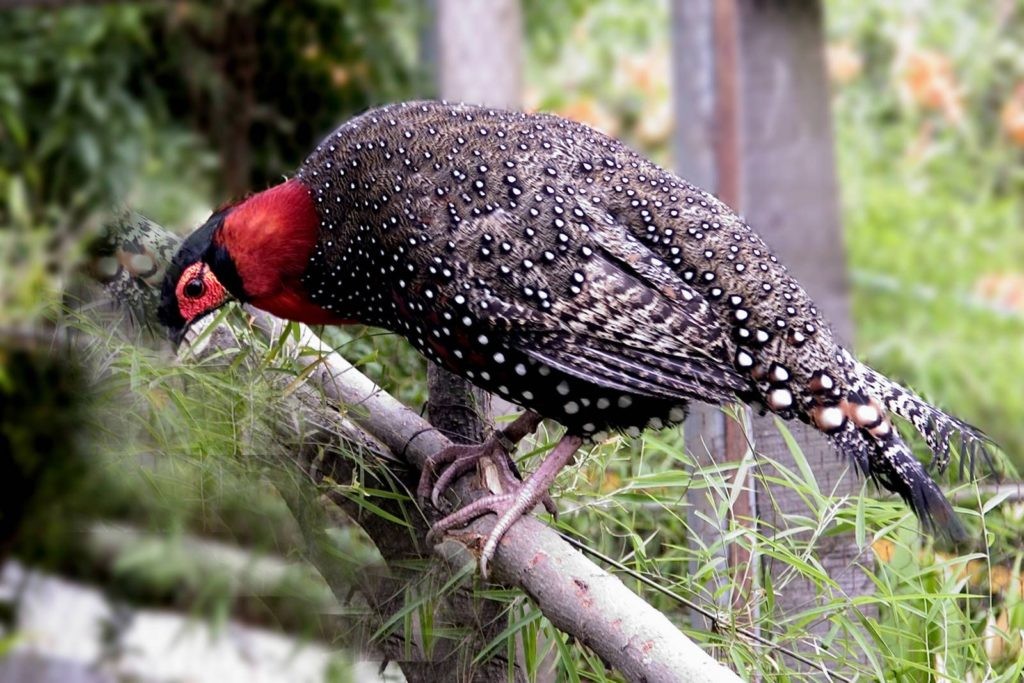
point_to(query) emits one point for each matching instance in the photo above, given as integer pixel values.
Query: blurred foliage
(605, 64)
(94, 98)
(186, 451)
(933, 188)
(928, 133)
(43, 468)
(264, 81)
(70, 126)
(139, 104)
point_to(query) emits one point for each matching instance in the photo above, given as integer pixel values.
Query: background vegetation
(172, 108)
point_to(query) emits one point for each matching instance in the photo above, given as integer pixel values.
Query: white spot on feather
(780, 399)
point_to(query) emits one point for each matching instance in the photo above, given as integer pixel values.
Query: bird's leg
(460, 459)
(510, 507)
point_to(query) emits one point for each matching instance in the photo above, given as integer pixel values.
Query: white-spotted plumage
(587, 284)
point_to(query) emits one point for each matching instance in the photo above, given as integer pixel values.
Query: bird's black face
(192, 288)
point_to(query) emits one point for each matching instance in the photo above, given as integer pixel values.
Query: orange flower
(1012, 116)
(1004, 290)
(927, 79)
(647, 72)
(587, 110)
(884, 549)
(844, 62)
(655, 123)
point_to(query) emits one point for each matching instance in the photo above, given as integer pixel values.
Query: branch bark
(577, 596)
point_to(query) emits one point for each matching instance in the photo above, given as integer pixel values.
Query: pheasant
(553, 266)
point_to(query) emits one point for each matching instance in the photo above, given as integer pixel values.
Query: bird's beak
(177, 334)
(172, 320)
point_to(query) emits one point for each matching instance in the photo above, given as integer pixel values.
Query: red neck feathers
(270, 237)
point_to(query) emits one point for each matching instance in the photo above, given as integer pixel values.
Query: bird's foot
(513, 503)
(456, 460)
(499, 504)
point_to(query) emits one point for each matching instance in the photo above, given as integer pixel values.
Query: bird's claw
(457, 465)
(456, 460)
(514, 497)
(509, 505)
(452, 462)
(496, 503)
(501, 504)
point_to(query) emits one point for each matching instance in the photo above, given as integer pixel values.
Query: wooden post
(753, 122)
(789, 192)
(479, 51)
(706, 97)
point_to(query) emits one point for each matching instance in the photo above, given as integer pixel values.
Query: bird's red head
(255, 251)
(199, 291)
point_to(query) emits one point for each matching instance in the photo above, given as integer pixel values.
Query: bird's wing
(606, 310)
(623, 368)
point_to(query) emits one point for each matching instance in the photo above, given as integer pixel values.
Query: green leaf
(798, 457)
(362, 501)
(531, 615)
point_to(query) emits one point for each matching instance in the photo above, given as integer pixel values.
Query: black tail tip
(937, 516)
(898, 471)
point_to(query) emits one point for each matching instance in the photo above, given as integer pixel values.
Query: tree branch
(577, 596)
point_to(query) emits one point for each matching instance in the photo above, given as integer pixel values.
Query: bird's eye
(194, 288)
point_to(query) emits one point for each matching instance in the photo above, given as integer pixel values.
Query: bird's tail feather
(935, 426)
(869, 438)
(889, 462)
